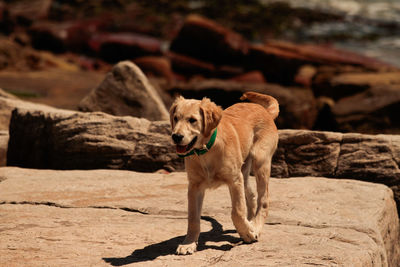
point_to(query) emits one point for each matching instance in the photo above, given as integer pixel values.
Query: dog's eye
(192, 120)
(175, 119)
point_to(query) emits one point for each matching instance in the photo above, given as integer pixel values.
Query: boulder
(126, 91)
(339, 82)
(104, 217)
(61, 139)
(156, 66)
(297, 106)
(281, 61)
(254, 76)
(9, 102)
(372, 111)
(189, 66)
(206, 40)
(372, 158)
(114, 47)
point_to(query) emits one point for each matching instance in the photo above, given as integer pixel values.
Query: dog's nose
(177, 138)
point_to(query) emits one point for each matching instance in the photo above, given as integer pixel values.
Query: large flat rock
(109, 217)
(48, 138)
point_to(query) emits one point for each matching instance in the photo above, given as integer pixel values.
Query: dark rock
(189, 66)
(297, 106)
(341, 81)
(156, 66)
(114, 47)
(375, 110)
(250, 77)
(126, 91)
(208, 41)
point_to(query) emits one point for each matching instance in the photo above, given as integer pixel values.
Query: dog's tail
(268, 102)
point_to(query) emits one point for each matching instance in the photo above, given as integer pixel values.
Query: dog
(223, 147)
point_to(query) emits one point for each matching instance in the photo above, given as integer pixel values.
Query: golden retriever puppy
(222, 147)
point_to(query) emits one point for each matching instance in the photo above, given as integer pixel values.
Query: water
(370, 27)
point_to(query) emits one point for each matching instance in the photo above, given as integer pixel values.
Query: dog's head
(192, 122)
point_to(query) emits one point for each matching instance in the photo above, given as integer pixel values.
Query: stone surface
(297, 106)
(126, 91)
(104, 217)
(62, 139)
(209, 41)
(3, 147)
(373, 158)
(52, 138)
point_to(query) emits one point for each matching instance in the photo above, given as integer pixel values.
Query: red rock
(156, 66)
(250, 77)
(206, 40)
(189, 66)
(328, 55)
(114, 47)
(276, 64)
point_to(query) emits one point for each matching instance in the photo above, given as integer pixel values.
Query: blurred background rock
(333, 65)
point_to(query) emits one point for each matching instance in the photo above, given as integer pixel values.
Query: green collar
(199, 152)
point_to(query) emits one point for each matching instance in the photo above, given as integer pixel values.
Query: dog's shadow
(168, 247)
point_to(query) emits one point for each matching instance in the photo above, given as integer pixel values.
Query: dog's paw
(249, 236)
(186, 249)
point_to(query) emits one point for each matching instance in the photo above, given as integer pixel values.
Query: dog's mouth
(183, 149)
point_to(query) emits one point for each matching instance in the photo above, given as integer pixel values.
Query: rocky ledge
(49, 138)
(111, 217)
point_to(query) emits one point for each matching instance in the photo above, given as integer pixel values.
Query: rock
(61, 139)
(373, 111)
(208, 41)
(298, 107)
(3, 147)
(250, 77)
(30, 10)
(281, 61)
(189, 66)
(366, 102)
(277, 65)
(126, 91)
(114, 47)
(372, 158)
(156, 66)
(340, 82)
(328, 55)
(104, 217)
(8, 103)
(49, 36)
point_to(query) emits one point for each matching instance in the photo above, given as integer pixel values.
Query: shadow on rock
(168, 247)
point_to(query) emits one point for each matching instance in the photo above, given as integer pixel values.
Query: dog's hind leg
(262, 171)
(251, 198)
(239, 210)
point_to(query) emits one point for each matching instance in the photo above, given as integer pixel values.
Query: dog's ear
(173, 109)
(211, 113)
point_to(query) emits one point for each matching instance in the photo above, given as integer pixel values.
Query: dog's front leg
(195, 202)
